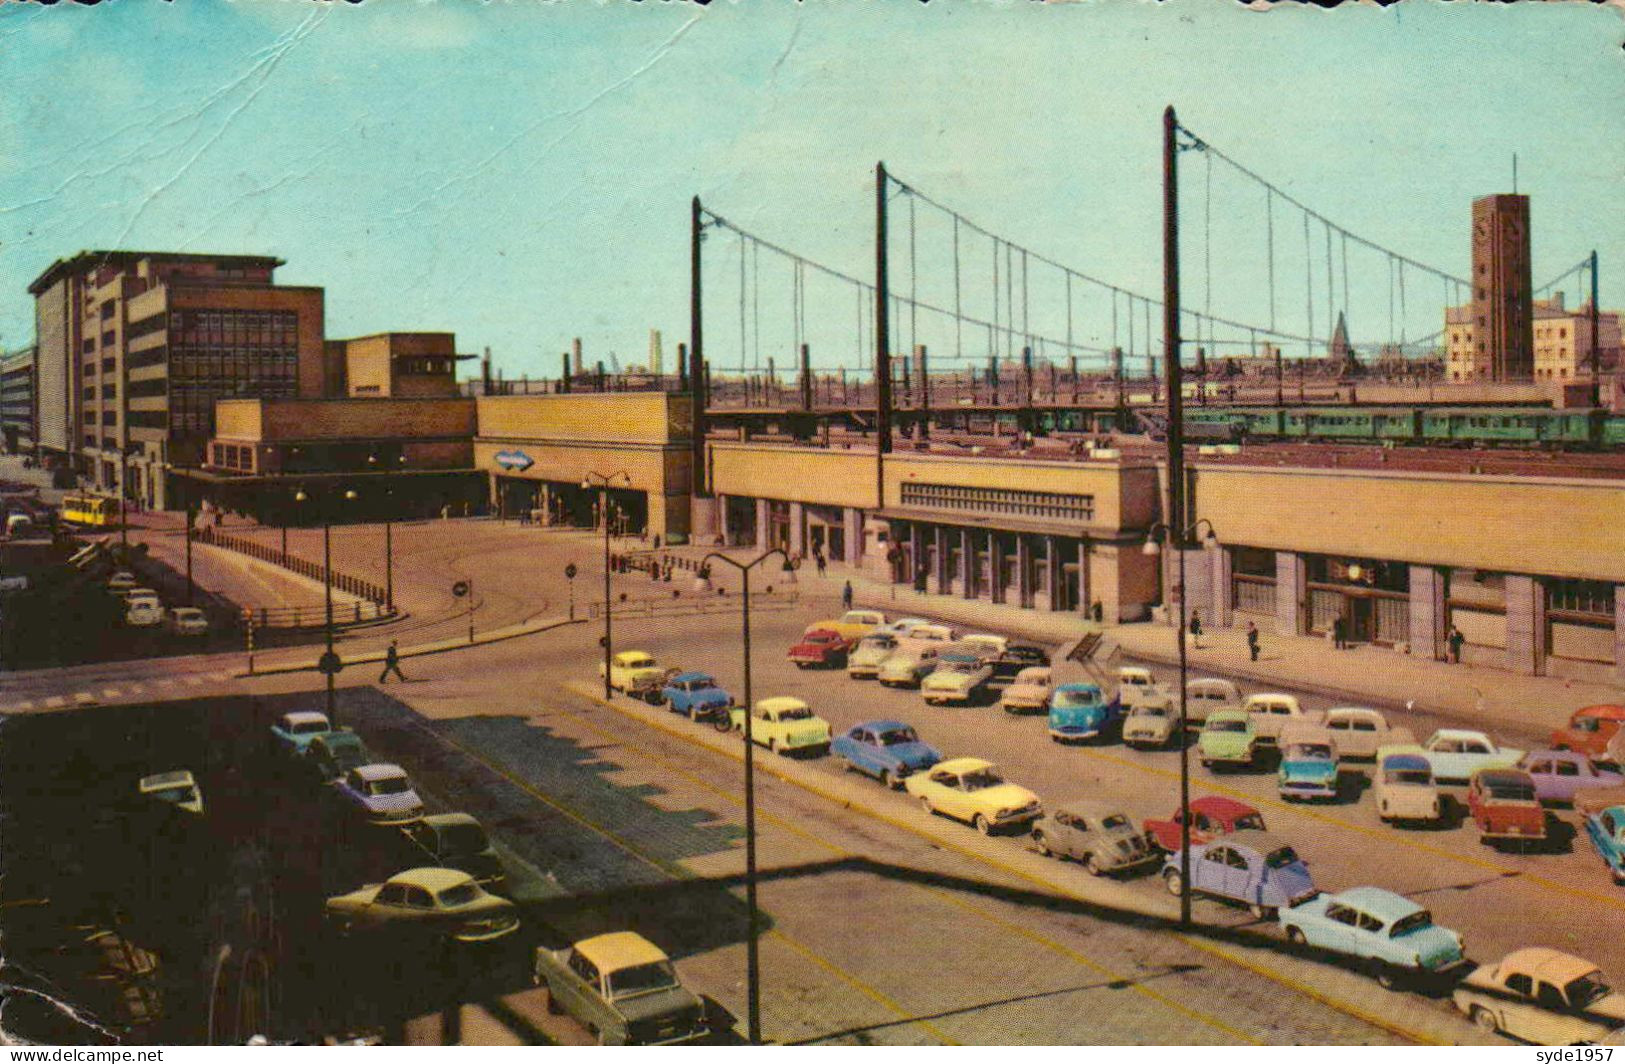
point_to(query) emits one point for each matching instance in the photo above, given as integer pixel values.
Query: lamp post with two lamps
(330, 663)
(753, 989)
(1180, 541)
(603, 481)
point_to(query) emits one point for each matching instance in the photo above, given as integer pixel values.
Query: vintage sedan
(822, 647)
(380, 792)
(783, 725)
(1204, 696)
(1016, 658)
(1228, 738)
(1542, 996)
(1393, 935)
(632, 667)
(694, 694)
(1273, 713)
(1029, 692)
(972, 790)
(888, 750)
(1150, 725)
(908, 665)
(1211, 817)
(1503, 805)
(456, 840)
(1589, 730)
(1251, 868)
(1605, 827)
(429, 901)
(990, 645)
(1359, 732)
(176, 788)
(933, 633)
(864, 660)
(852, 625)
(332, 755)
(622, 988)
(1404, 787)
(292, 733)
(1561, 774)
(1308, 768)
(958, 677)
(1079, 712)
(1099, 836)
(187, 621)
(901, 627)
(1137, 685)
(1457, 753)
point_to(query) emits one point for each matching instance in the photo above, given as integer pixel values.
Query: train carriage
(89, 511)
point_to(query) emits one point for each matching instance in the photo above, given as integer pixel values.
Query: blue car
(1308, 770)
(381, 793)
(292, 733)
(888, 750)
(1389, 933)
(693, 694)
(1251, 868)
(1078, 711)
(1606, 830)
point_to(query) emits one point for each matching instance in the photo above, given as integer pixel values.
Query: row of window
(191, 404)
(231, 456)
(1000, 501)
(154, 386)
(234, 363)
(255, 327)
(148, 419)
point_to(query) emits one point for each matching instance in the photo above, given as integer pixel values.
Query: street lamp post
(329, 659)
(753, 975)
(191, 520)
(1179, 543)
(604, 480)
(389, 536)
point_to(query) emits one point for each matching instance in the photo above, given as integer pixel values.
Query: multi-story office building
(135, 348)
(1562, 338)
(17, 391)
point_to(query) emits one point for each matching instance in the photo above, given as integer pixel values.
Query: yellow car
(852, 625)
(972, 790)
(784, 724)
(632, 667)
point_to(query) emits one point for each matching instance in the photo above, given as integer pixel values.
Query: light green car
(1228, 738)
(784, 725)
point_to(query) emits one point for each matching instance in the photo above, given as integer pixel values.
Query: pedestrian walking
(818, 560)
(1455, 640)
(1196, 628)
(1098, 611)
(846, 596)
(1252, 640)
(392, 664)
(1338, 630)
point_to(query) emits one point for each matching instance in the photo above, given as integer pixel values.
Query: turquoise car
(1390, 934)
(1606, 830)
(1308, 771)
(1079, 711)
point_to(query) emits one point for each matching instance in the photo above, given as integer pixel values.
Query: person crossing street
(392, 663)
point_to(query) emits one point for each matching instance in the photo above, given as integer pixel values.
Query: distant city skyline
(520, 176)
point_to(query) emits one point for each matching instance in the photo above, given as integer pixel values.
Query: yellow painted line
(1387, 835)
(678, 872)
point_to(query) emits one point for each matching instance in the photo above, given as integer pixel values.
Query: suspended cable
(743, 350)
(756, 302)
(1308, 279)
(1069, 312)
(1331, 318)
(1346, 273)
(1207, 237)
(913, 281)
(1403, 313)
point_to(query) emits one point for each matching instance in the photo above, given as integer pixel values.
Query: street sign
(330, 664)
(460, 588)
(515, 460)
(570, 571)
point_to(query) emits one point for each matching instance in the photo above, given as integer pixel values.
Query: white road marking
(55, 701)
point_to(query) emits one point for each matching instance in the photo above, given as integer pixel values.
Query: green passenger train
(1430, 426)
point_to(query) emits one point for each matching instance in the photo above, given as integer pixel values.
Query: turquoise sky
(520, 173)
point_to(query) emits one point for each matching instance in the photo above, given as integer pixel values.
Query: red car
(1502, 802)
(1211, 817)
(1589, 730)
(821, 646)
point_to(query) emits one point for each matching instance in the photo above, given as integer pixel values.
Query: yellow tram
(92, 511)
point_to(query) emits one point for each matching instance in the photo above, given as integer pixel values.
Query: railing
(693, 603)
(342, 581)
(315, 616)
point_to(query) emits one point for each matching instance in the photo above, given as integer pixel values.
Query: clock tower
(1503, 311)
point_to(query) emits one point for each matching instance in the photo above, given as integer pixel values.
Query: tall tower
(1503, 313)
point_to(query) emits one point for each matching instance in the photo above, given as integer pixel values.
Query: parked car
(622, 988)
(456, 840)
(1395, 936)
(381, 792)
(1029, 692)
(852, 625)
(1308, 768)
(1359, 732)
(1211, 817)
(1560, 774)
(1605, 827)
(908, 665)
(1079, 712)
(822, 647)
(901, 627)
(958, 677)
(933, 633)
(332, 754)
(1503, 805)
(1205, 695)
(1589, 730)
(651, 687)
(1099, 836)
(1137, 686)
(1249, 867)
(1404, 787)
(143, 611)
(177, 788)
(863, 661)
(1017, 657)
(629, 667)
(992, 645)
(425, 901)
(1229, 737)
(138, 592)
(293, 731)
(1150, 725)
(121, 581)
(1273, 713)
(888, 750)
(694, 694)
(783, 725)
(1542, 996)
(974, 791)
(1456, 753)
(188, 621)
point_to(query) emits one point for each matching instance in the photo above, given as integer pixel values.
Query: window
(1342, 914)
(1549, 997)
(1369, 923)
(418, 898)
(392, 894)
(584, 968)
(1519, 983)
(1042, 504)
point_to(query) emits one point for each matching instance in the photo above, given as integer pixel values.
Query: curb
(373, 658)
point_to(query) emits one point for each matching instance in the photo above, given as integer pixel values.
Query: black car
(1018, 656)
(456, 840)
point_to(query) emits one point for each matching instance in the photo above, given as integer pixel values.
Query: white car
(864, 660)
(933, 633)
(1029, 691)
(141, 611)
(1272, 713)
(1545, 997)
(958, 677)
(121, 581)
(901, 627)
(1205, 695)
(1137, 686)
(1359, 731)
(1403, 786)
(993, 644)
(1149, 724)
(908, 665)
(178, 788)
(188, 620)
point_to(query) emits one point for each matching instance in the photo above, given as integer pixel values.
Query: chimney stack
(575, 355)
(485, 373)
(655, 360)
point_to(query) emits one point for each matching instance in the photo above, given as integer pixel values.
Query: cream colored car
(1273, 713)
(1205, 695)
(784, 724)
(1542, 996)
(973, 790)
(1402, 784)
(909, 664)
(1029, 692)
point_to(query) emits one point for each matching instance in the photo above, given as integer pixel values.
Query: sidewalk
(307, 661)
